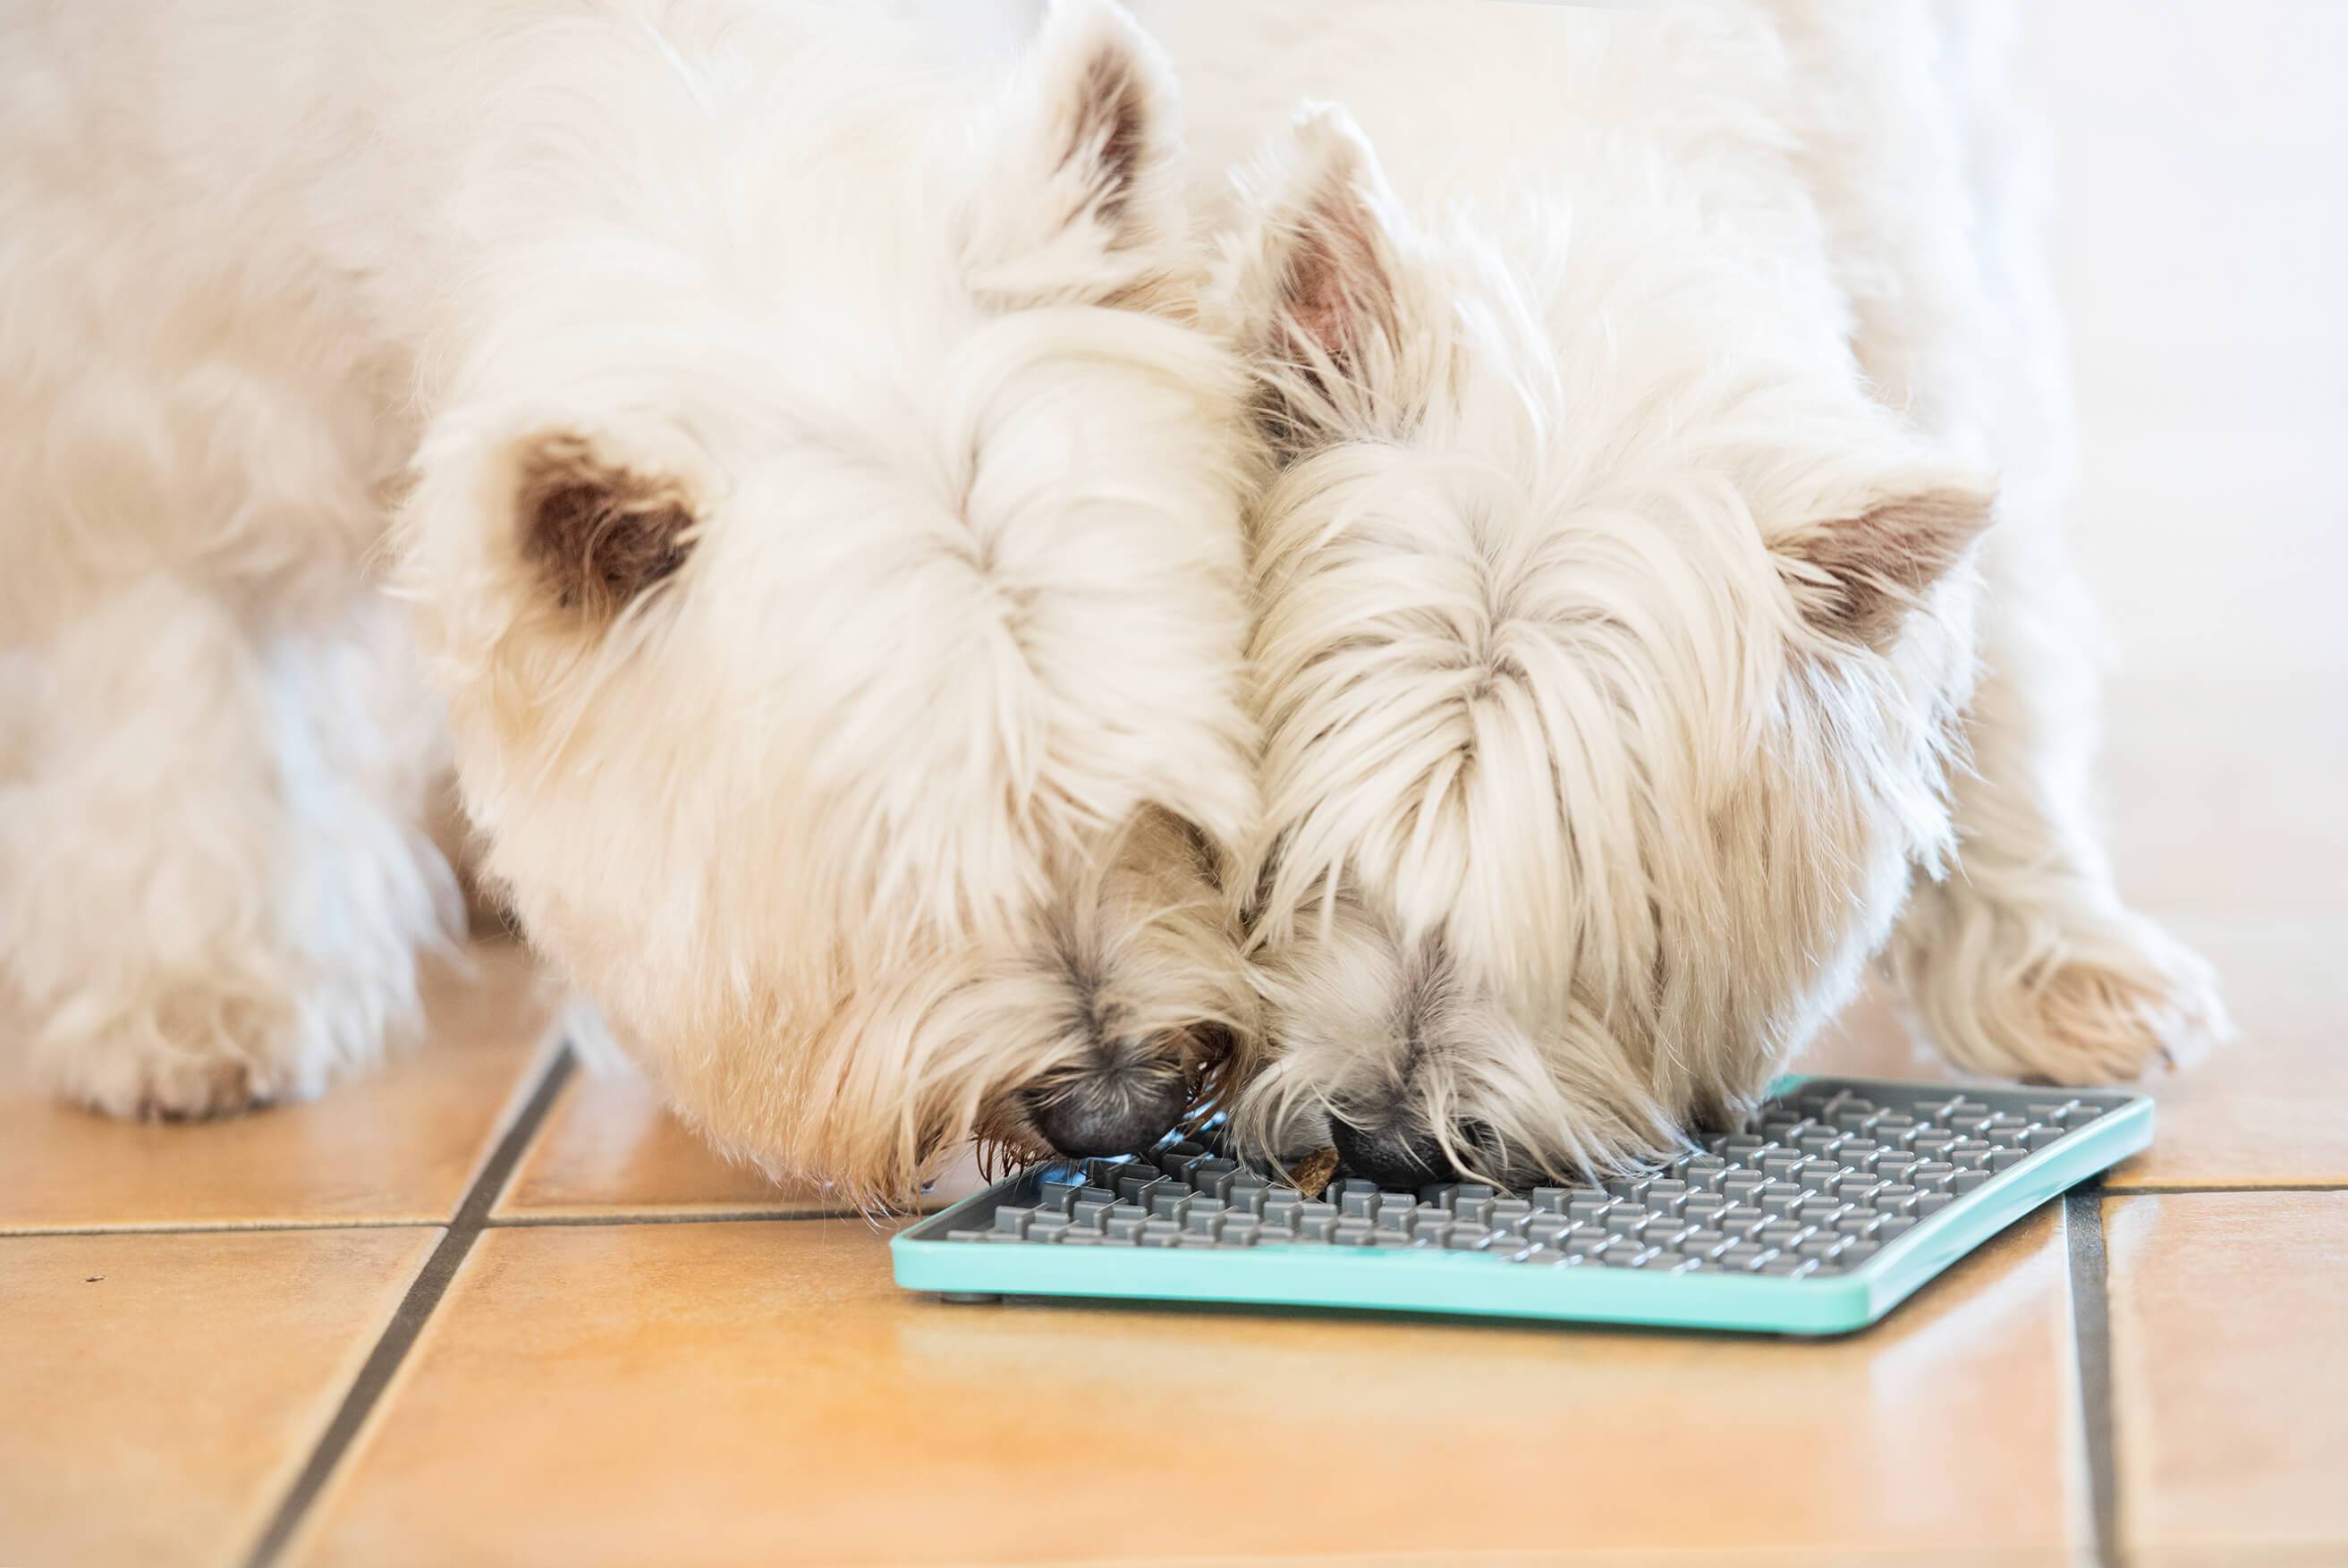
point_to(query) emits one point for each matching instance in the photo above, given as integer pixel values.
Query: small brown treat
(1313, 1172)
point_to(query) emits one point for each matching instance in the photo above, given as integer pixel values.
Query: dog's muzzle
(1403, 1161)
(1108, 1112)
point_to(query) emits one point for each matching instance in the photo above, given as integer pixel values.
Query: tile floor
(478, 1309)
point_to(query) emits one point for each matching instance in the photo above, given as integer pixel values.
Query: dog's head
(1608, 640)
(841, 590)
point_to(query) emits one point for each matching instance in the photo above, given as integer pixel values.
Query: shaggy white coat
(819, 524)
(1639, 646)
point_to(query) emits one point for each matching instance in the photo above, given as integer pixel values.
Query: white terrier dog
(821, 523)
(1660, 604)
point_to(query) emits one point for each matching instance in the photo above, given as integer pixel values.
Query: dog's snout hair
(1153, 1012)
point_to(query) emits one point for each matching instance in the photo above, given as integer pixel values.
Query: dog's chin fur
(1620, 575)
(820, 521)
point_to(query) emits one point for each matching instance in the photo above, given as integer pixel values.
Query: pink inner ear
(1335, 281)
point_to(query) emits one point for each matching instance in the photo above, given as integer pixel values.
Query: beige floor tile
(158, 1393)
(400, 1143)
(2230, 1376)
(2271, 1109)
(608, 1147)
(764, 1391)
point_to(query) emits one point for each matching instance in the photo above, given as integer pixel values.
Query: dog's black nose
(1109, 1113)
(1390, 1159)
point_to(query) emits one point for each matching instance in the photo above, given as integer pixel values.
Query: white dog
(1660, 604)
(821, 524)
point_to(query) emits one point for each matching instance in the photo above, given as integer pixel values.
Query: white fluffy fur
(864, 822)
(1638, 380)
(820, 521)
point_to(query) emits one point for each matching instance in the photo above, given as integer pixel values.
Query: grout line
(2082, 1232)
(222, 1227)
(424, 1294)
(714, 1217)
(928, 1209)
(2171, 1190)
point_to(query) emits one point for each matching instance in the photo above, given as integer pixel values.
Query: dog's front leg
(2024, 960)
(214, 875)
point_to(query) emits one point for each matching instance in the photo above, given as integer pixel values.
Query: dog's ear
(1859, 566)
(597, 532)
(1312, 280)
(1082, 200)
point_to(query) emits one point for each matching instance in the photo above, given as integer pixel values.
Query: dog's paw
(157, 1081)
(186, 1055)
(2095, 1022)
(2085, 998)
